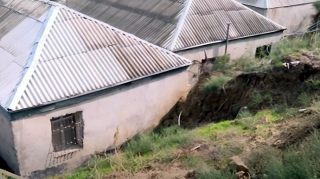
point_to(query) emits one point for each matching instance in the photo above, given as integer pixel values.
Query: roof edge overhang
(266, 8)
(221, 41)
(22, 113)
(33, 61)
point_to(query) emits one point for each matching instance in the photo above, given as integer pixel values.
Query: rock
(242, 175)
(190, 174)
(238, 164)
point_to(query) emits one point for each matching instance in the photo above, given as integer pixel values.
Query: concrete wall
(130, 109)
(7, 149)
(294, 18)
(236, 48)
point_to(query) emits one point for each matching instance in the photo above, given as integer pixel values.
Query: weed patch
(304, 99)
(214, 83)
(270, 115)
(221, 63)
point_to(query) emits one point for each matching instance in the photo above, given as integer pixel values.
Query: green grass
(214, 84)
(213, 128)
(270, 115)
(293, 46)
(250, 64)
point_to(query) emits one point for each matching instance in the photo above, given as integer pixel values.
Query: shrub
(221, 63)
(214, 83)
(257, 99)
(304, 99)
(317, 5)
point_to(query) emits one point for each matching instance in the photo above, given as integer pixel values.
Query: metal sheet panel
(81, 55)
(207, 20)
(20, 24)
(266, 4)
(151, 20)
(156, 21)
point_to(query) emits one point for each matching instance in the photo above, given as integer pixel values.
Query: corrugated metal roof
(77, 55)
(173, 24)
(207, 21)
(151, 20)
(268, 4)
(20, 21)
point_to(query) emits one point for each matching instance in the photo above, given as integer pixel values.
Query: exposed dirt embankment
(278, 86)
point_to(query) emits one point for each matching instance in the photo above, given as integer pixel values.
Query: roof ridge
(34, 60)
(118, 30)
(180, 24)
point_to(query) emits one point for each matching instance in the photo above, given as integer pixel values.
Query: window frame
(75, 123)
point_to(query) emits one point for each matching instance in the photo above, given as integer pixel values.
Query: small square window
(263, 51)
(67, 132)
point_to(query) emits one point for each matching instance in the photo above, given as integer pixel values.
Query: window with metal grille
(67, 132)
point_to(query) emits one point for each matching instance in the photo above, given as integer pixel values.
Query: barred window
(67, 131)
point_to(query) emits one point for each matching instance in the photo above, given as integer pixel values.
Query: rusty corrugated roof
(78, 55)
(268, 4)
(178, 24)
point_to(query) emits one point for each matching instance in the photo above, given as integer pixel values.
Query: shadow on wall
(4, 166)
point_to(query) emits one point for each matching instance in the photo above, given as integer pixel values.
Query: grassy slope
(224, 138)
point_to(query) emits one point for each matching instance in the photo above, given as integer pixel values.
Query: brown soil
(175, 171)
(282, 84)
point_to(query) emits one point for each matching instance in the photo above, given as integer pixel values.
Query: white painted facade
(130, 109)
(295, 18)
(236, 48)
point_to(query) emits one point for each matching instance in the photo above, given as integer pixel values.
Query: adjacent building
(71, 85)
(187, 27)
(295, 15)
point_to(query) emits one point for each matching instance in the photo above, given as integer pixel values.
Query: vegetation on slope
(268, 133)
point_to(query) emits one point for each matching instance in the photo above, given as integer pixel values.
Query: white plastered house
(295, 15)
(68, 83)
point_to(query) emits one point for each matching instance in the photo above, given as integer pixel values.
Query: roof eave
(220, 41)
(101, 89)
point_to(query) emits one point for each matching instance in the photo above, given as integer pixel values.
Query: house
(295, 15)
(187, 27)
(71, 85)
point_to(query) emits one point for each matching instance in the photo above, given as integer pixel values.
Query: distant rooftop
(51, 53)
(178, 24)
(269, 4)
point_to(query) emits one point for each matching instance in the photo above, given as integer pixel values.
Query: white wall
(258, 10)
(7, 149)
(294, 18)
(236, 48)
(132, 109)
